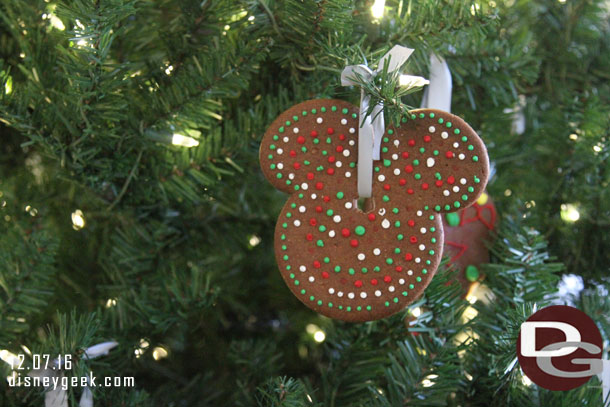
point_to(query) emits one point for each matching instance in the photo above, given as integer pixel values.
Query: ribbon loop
(372, 126)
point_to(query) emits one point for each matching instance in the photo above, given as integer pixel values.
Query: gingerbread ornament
(467, 233)
(360, 266)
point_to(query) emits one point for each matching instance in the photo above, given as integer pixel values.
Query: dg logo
(560, 348)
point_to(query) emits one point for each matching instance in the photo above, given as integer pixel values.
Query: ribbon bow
(372, 126)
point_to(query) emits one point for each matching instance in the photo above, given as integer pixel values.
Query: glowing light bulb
(78, 220)
(159, 353)
(569, 213)
(254, 240)
(111, 302)
(378, 8)
(319, 336)
(429, 380)
(184, 141)
(416, 312)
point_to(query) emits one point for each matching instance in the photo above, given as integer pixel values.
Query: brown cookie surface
(345, 263)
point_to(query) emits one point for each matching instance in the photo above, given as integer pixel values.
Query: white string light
(378, 8)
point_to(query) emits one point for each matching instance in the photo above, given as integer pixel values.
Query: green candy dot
(441, 120)
(452, 218)
(464, 139)
(272, 147)
(330, 305)
(303, 291)
(424, 271)
(283, 237)
(292, 275)
(421, 115)
(288, 215)
(329, 212)
(387, 304)
(395, 210)
(354, 115)
(397, 224)
(400, 237)
(390, 132)
(464, 197)
(432, 115)
(476, 179)
(470, 189)
(437, 208)
(326, 260)
(435, 152)
(337, 269)
(472, 273)
(348, 309)
(385, 139)
(417, 176)
(288, 123)
(387, 163)
(475, 158)
(314, 111)
(413, 116)
(432, 229)
(364, 270)
(311, 298)
(418, 279)
(320, 243)
(272, 166)
(333, 108)
(281, 129)
(416, 162)
(433, 240)
(447, 207)
(384, 150)
(422, 150)
(270, 156)
(323, 109)
(389, 261)
(360, 230)
(368, 308)
(376, 269)
(385, 198)
(404, 293)
(319, 302)
(304, 112)
(470, 147)
(340, 195)
(456, 131)
(344, 110)
(322, 228)
(456, 204)
(358, 308)
(351, 271)
(448, 124)
(397, 250)
(411, 286)
(316, 141)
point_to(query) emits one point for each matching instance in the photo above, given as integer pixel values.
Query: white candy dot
(295, 130)
(285, 139)
(422, 230)
(297, 223)
(401, 281)
(313, 196)
(332, 233)
(351, 143)
(422, 247)
(346, 153)
(456, 189)
(352, 130)
(302, 268)
(280, 166)
(348, 174)
(361, 256)
(302, 209)
(304, 187)
(431, 129)
(376, 252)
(291, 175)
(377, 293)
(385, 224)
(311, 279)
(419, 213)
(446, 192)
(319, 120)
(337, 218)
(396, 171)
(410, 272)
(394, 156)
(444, 135)
(338, 164)
(417, 260)
(456, 144)
(463, 181)
(340, 294)
(396, 143)
(363, 295)
(348, 205)
(381, 212)
(280, 151)
(331, 290)
(343, 121)
(391, 288)
(350, 296)
(430, 162)
(381, 177)
(461, 156)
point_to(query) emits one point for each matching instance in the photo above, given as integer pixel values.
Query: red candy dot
(342, 137)
(374, 281)
(301, 140)
(427, 139)
(318, 209)
(353, 243)
(411, 143)
(398, 269)
(402, 182)
(330, 130)
(317, 264)
(409, 168)
(413, 239)
(387, 279)
(358, 283)
(411, 222)
(405, 155)
(409, 191)
(345, 232)
(449, 154)
(313, 222)
(339, 149)
(332, 159)
(309, 237)
(296, 166)
(450, 180)
(325, 274)
(293, 153)
(330, 171)
(314, 133)
(408, 257)
(371, 217)
(424, 186)
(439, 183)
(310, 175)
(386, 187)
(326, 199)
(319, 185)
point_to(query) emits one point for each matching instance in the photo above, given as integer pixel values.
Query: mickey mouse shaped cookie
(361, 266)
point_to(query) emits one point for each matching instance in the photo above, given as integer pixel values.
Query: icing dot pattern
(378, 262)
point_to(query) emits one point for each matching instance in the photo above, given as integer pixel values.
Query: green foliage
(175, 257)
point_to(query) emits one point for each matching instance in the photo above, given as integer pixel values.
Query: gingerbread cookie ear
(310, 142)
(438, 159)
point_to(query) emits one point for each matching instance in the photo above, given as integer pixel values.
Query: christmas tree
(134, 212)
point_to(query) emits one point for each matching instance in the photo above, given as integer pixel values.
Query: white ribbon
(372, 127)
(438, 93)
(57, 396)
